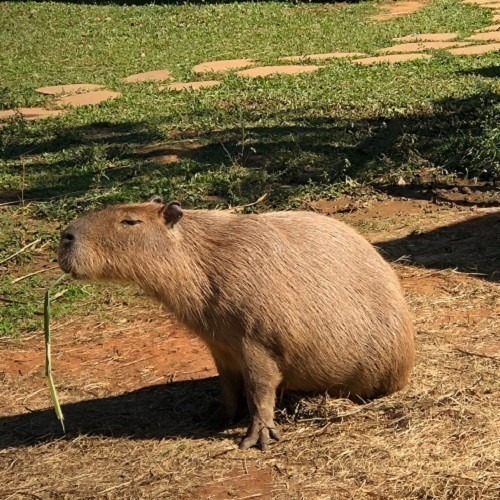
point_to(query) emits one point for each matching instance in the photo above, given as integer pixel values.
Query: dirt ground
(138, 389)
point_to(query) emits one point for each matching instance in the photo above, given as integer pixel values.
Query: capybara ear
(156, 199)
(172, 212)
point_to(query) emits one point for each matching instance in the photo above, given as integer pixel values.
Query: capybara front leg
(233, 395)
(262, 378)
(232, 387)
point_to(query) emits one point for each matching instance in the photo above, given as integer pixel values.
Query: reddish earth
(239, 483)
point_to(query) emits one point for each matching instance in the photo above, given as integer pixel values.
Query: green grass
(291, 137)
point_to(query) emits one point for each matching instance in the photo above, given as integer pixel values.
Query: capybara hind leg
(262, 378)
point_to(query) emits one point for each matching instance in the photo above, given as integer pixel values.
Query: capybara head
(107, 244)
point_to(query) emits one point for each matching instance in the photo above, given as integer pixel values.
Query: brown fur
(290, 299)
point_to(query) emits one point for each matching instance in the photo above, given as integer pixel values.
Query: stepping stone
(29, 113)
(221, 66)
(158, 75)
(74, 88)
(421, 46)
(276, 70)
(320, 57)
(427, 37)
(491, 36)
(87, 99)
(391, 59)
(168, 153)
(493, 27)
(191, 85)
(397, 10)
(475, 49)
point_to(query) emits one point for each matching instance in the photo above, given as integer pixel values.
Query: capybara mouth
(65, 263)
(66, 267)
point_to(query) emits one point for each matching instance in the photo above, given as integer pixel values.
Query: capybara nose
(67, 237)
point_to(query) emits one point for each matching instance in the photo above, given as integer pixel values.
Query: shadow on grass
(487, 72)
(177, 409)
(471, 246)
(460, 136)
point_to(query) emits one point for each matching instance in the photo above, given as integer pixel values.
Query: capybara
(294, 300)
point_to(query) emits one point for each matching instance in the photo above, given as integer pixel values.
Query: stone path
(407, 48)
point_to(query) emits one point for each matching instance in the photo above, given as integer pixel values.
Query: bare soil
(138, 390)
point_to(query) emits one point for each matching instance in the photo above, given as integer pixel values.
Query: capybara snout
(285, 299)
(108, 244)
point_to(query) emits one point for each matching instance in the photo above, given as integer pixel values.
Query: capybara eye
(131, 222)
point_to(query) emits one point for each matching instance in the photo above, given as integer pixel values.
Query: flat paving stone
(421, 47)
(222, 66)
(489, 36)
(30, 113)
(391, 59)
(493, 27)
(72, 88)
(427, 37)
(262, 71)
(89, 98)
(158, 75)
(475, 49)
(191, 85)
(321, 57)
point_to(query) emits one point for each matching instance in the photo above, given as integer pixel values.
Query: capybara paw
(259, 437)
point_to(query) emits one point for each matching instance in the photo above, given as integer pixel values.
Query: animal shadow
(177, 409)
